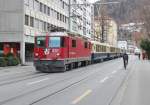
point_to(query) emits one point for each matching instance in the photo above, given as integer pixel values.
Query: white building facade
(123, 45)
(81, 17)
(112, 33)
(21, 20)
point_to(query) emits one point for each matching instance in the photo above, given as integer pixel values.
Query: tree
(145, 45)
(101, 19)
(143, 15)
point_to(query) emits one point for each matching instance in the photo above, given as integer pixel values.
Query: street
(74, 52)
(96, 84)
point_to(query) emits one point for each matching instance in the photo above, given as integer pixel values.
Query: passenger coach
(101, 52)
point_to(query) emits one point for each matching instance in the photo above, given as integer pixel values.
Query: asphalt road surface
(138, 85)
(91, 85)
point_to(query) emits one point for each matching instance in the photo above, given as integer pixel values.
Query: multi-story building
(105, 30)
(21, 20)
(112, 33)
(81, 17)
(101, 27)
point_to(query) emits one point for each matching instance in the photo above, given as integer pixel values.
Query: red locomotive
(61, 51)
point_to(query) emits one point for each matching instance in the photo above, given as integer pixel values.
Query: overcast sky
(92, 1)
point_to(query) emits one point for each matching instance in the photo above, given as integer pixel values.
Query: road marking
(35, 82)
(114, 72)
(78, 99)
(103, 80)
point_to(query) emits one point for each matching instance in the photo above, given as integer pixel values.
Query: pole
(69, 27)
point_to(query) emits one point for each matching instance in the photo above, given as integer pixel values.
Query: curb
(8, 67)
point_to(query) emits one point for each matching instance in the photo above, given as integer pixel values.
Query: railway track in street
(21, 78)
(59, 80)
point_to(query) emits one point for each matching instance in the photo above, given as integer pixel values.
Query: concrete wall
(11, 20)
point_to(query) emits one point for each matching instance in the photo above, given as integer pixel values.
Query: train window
(101, 48)
(96, 48)
(104, 48)
(85, 44)
(62, 42)
(54, 42)
(74, 43)
(89, 46)
(1, 49)
(41, 41)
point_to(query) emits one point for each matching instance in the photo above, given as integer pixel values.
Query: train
(62, 51)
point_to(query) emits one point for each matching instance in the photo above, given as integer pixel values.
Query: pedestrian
(125, 59)
(139, 55)
(143, 55)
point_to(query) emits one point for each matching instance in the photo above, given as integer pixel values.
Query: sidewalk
(26, 64)
(136, 89)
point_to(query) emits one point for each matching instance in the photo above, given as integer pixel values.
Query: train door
(72, 47)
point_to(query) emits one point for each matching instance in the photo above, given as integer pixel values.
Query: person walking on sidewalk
(139, 55)
(125, 59)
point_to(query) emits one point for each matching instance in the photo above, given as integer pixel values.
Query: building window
(31, 21)
(60, 17)
(45, 28)
(48, 27)
(36, 24)
(63, 19)
(37, 5)
(63, 5)
(57, 15)
(41, 7)
(41, 25)
(45, 9)
(26, 20)
(48, 11)
(52, 12)
(73, 43)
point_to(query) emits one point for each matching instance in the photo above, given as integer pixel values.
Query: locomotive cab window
(54, 42)
(41, 41)
(63, 42)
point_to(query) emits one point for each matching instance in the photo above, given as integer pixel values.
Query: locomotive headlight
(36, 54)
(46, 51)
(58, 54)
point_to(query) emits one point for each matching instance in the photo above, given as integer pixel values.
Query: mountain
(122, 12)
